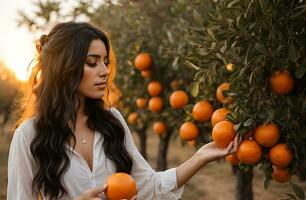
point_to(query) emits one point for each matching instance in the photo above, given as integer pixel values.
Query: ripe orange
(218, 116)
(202, 111)
(146, 73)
(230, 67)
(143, 61)
(178, 99)
(189, 131)
(156, 104)
(249, 152)
(132, 118)
(120, 186)
(141, 102)
(280, 155)
(154, 88)
(223, 133)
(175, 84)
(219, 93)
(280, 174)
(159, 128)
(281, 82)
(232, 159)
(267, 135)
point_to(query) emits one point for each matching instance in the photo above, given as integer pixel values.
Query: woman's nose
(103, 70)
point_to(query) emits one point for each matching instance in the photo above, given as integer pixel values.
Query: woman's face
(96, 73)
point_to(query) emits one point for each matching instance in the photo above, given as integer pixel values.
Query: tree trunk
(244, 189)
(142, 135)
(163, 151)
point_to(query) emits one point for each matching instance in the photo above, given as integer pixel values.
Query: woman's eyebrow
(95, 55)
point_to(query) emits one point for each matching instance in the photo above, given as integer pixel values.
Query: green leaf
(211, 34)
(197, 17)
(232, 3)
(194, 88)
(248, 122)
(223, 48)
(292, 53)
(190, 64)
(267, 183)
(291, 196)
(300, 71)
(298, 190)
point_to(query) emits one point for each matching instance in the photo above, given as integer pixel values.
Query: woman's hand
(210, 152)
(92, 194)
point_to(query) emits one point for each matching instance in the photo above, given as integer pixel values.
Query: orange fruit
(189, 131)
(281, 82)
(267, 135)
(120, 186)
(280, 155)
(249, 152)
(154, 88)
(218, 116)
(223, 133)
(219, 93)
(232, 159)
(156, 104)
(141, 102)
(132, 118)
(175, 84)
(280, 174)
(202, 111)
(230, 67)
(143, 61)
(146, 73)
(178, 99)
(159, 128)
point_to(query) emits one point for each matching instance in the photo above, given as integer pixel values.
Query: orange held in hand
(280, 155)
(189, 131)
(218, 116)
(281, 82)
(267, 135)
(202, 111)
(223, 133)
(143, 61)
(120, 186)
(249, 152)
(154, 88)
(178, 99)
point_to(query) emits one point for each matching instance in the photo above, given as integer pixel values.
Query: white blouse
(79, 178)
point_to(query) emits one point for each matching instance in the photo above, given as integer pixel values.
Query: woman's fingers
(96, 191)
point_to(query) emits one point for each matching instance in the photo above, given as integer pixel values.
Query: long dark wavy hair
(53, 100)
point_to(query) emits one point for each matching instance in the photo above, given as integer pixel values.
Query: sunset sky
(17, 47)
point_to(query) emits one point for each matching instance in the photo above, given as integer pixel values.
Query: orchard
(195, 72)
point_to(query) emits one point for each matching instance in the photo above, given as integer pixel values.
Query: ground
(214, 182)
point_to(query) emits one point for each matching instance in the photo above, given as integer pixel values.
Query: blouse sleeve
(150, 184)
(20, 169)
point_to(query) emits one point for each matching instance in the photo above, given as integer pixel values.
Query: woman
(68, 142)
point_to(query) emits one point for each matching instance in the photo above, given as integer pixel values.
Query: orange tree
(153, 27)
(257, 48)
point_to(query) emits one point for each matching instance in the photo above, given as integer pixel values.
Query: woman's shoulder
(26, 129)
(115, 112)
